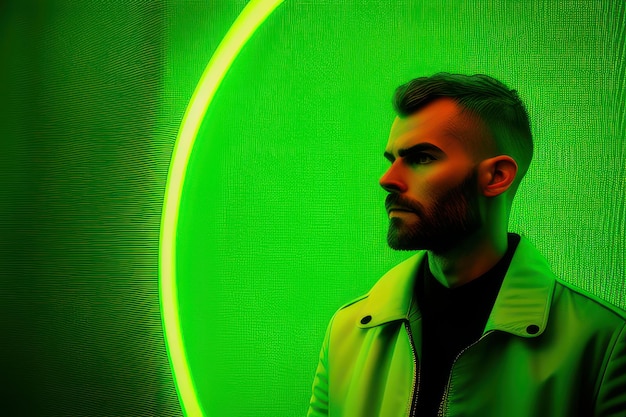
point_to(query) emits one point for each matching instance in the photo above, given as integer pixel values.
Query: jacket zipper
(416, 374)
(443, 406)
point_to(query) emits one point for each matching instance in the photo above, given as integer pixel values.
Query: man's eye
(421, 158)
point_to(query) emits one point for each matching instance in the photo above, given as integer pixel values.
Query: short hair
(500, 109)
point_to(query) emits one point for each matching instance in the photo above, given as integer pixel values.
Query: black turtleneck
(452, 319)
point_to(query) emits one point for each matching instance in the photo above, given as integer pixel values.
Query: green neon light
(252, 16)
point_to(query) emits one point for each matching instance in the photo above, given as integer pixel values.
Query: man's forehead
(442, 123)
(406, 132)
(438, 112)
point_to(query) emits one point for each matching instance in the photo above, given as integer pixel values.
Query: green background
(282, 218)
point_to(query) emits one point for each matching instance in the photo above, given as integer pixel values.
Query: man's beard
(453, 217)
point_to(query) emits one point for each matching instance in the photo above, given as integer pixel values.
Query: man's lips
(396, 203)
(400, 208)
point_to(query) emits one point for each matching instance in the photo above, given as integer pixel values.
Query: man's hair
(491, 101)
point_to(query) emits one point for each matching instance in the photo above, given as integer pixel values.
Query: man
(475, 323)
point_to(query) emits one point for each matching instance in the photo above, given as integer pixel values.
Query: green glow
(253, 15)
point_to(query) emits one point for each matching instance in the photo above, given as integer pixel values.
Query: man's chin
(412, 239)
(399, 242)
(400, 247)
(413, 245)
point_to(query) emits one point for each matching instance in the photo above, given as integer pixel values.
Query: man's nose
(392, 180)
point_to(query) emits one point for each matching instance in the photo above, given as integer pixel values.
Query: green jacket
(548, 350)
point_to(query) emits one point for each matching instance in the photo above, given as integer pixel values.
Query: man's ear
(496, 175)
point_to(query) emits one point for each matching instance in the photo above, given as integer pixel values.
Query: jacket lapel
(391, 297)
(521, 307)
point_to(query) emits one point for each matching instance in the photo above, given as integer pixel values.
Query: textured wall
(282, 218)
(83, 177)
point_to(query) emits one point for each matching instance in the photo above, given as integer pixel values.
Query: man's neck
(467, 261)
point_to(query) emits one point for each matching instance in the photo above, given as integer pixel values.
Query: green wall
(282, 219)
(83, 175)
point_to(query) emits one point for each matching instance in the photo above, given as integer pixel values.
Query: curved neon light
(252, 16)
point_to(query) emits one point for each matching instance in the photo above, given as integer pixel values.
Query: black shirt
(452, 319)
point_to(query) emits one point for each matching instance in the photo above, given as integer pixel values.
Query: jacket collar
(521, 307)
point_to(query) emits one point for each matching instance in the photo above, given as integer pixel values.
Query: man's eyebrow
(420, 147)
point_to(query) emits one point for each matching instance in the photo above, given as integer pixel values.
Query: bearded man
(474, 324)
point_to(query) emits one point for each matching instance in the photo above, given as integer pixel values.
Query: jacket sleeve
(318, 406)
(611, 399)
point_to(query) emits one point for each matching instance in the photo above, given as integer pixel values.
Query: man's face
(432, 184)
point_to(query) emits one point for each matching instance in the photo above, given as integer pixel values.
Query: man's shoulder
(531, 278)
(590, 306)
(390, 295)
(396, 279)
(353, 302)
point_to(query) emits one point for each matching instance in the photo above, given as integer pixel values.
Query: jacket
(548, 350)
